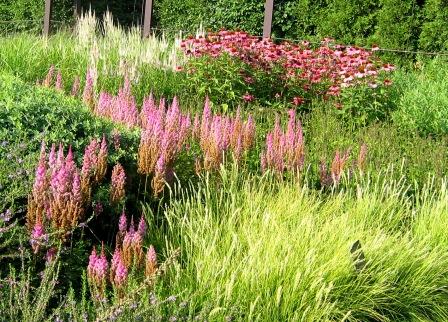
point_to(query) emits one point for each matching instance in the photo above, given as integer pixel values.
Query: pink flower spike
(122, 223)
(58, 84)
(142, 226)
(121, 274)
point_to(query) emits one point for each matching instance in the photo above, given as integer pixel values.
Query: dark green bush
(434, 35)
(29, 115)
(349, 21)
(423, 105)
(17, 15)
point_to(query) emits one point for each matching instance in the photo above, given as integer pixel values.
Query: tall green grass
(256, 250)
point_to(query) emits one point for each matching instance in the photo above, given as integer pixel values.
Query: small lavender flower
(98, 208)
(50, 255)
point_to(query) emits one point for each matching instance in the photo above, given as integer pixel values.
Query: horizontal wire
(392, 50)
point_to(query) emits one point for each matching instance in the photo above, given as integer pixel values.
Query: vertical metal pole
(267, 25)
(77, 8)
(147, 18)
(47, 17)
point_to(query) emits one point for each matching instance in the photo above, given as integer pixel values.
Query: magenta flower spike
(76, 188)
(122, 223)
(116, 258)
(60, 160)
(121, 274)
(131, 230)
(92, 263)
(58, 84)
(101, 266)
(151, 255)
(141, 226)
(52, 157)
(75, 87)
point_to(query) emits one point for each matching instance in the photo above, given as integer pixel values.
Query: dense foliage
(165, 180)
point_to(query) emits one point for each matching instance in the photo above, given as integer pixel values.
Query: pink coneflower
(248, 97)
(297, 100)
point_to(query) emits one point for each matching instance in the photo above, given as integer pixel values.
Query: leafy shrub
(423, 105)
(239, 66)
(434, 35)
(349, 21)
(29, 115)
(18, 15)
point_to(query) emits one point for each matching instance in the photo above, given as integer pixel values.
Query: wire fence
(35, 26)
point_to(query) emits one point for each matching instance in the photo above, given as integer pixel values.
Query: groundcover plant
(221, 177)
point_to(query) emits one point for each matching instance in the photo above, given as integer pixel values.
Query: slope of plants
(221, 177)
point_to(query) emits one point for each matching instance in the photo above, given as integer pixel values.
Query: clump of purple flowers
(285, 151)
(219, 134)
(121, 108)
(163, 135)
(118, 180)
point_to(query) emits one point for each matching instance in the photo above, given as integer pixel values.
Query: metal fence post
(147, 18)
(77, 8)
(47, 17)
(267, 25)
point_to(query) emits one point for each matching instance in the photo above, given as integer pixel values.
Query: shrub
(17, 15)
(423, 105)
(434, 35)
(29, 115)
(239, 66)
(351, 22)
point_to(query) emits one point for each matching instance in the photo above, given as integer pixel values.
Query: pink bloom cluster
(218, 134)
(339, 164)
(97, 270)
(48, 80)
(164, 133)
(118, 181)
(333, 66)
(121, 108)
(128, 256)
(94, 165)
(284, 150)
(38, 237)
(56, 197)
(88, 96)
(61, 191)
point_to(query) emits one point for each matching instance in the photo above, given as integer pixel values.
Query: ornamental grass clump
(284, 151)
(218, 134)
